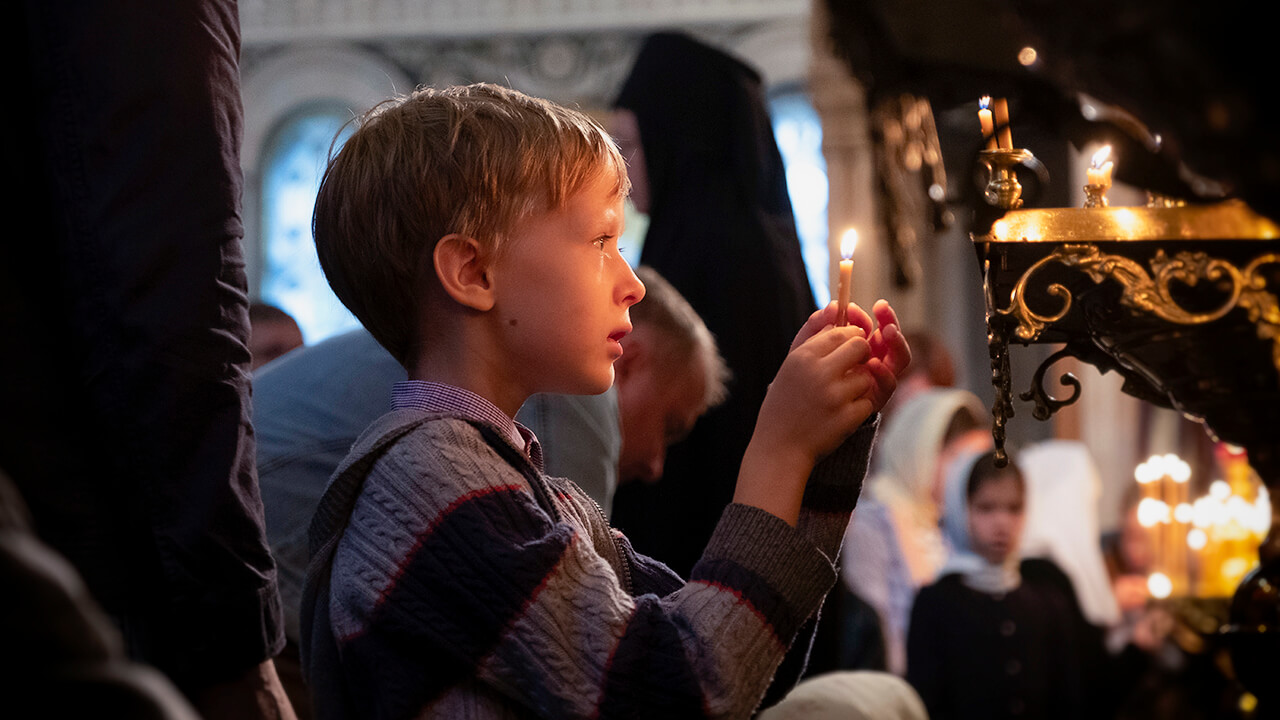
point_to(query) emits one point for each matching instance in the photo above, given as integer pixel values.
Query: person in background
(1063, 488)
(693, 125)
(272, 333)
(127, 426)
(932, 366)
(894, 544)
(60, 649)
(310, 407)
(995, 636)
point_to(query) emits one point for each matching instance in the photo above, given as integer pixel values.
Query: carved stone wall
(355, 53)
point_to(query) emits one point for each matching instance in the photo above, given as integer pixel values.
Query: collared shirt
(442, 397)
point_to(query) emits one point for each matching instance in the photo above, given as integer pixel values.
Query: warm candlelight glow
(1100, 157)
(984, 117)
(848, 242)
(1159, 585)
(1100, 167)
(1165, 511)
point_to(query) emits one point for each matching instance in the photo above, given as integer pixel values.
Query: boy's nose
(631, 290)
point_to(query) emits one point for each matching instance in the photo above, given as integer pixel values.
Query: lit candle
(848, 242)
(984, 117)
(1099, 172)
(1002, 123)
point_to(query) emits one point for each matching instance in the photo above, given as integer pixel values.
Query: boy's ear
(463, 271)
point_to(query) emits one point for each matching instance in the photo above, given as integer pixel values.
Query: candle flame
(1100, 157)
(848, 242)
(1159, 585)
(984, 102)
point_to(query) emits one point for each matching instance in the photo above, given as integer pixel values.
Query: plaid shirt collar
(441, 397)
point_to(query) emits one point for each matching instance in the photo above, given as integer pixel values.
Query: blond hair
(471, 160)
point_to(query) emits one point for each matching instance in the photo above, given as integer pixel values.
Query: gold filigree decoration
(1149, 292)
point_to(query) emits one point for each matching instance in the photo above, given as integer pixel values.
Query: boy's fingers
(859, 317)
(852, 351)
(857, 383)
(895, 353)
(885, 314)
(817, 320)
(829, 339)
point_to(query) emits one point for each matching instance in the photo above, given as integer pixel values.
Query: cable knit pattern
(465, 584)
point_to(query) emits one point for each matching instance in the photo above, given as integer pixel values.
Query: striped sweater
(451, 579)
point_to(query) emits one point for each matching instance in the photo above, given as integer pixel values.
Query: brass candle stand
(1181, 301)
(1095, 195)
(1003, 189)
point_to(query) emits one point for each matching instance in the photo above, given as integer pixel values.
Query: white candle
(1099, 171)
(848, 242)
(984, 117)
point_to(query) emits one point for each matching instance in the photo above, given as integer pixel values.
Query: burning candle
(848, 242)
(1099, 172)
(984, 117)
(1002, 123)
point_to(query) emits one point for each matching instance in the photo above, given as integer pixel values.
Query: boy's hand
(891, 354)
(833, 379)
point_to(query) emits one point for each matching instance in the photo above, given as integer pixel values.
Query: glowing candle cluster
(1206, 546)
(1165, 511)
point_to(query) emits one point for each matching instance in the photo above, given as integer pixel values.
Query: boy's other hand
(833, 379)
(890, 352)
(816, 401)
(819, 395)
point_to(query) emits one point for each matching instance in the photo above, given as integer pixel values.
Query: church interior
(1098, 262)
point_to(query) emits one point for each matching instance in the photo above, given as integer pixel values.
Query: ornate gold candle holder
(1003, 189)
(1181, 301)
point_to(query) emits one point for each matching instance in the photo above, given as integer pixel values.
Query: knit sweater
(451, 579)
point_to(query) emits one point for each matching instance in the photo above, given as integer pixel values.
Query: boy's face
(996, 518)
(561, 294)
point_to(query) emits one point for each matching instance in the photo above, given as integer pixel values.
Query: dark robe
(722, 231)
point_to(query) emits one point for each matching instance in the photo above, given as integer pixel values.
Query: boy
(474, 232)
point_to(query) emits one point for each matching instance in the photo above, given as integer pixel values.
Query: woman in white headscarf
(893, 545)
(996, 636)
(1062, 521)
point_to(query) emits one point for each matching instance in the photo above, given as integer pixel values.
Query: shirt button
(1013, 667)
(1008, 627)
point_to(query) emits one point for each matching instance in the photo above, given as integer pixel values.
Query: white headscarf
(1063, 487)
(906, 458)
(976, 571)
(907, 451)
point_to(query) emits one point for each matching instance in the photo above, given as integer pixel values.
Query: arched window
(291, 275)
(799, 133)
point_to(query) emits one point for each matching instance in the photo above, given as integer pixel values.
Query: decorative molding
(282, 21)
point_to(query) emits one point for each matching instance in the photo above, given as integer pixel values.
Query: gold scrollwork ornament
(1150, 292)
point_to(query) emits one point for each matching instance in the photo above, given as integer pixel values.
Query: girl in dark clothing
(994, 637)
(706, 169)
